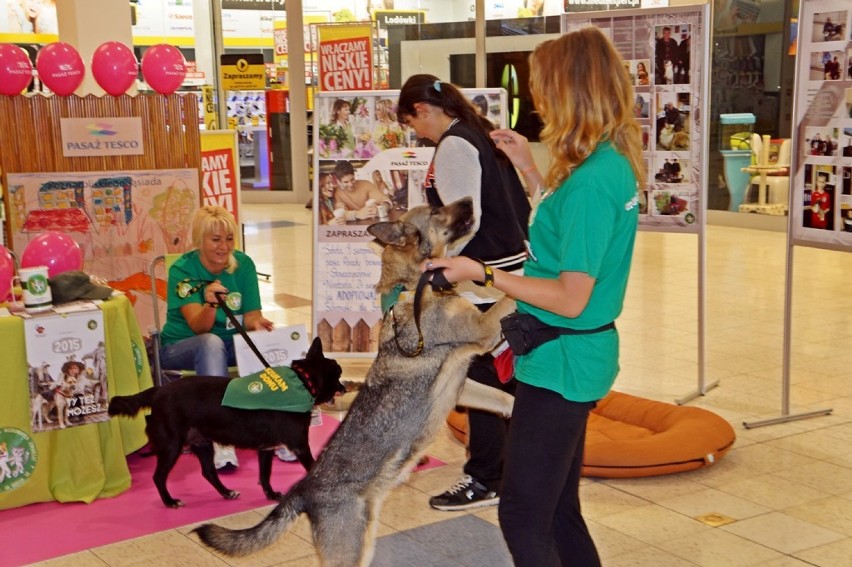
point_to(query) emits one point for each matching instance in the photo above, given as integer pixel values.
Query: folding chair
(167, 260)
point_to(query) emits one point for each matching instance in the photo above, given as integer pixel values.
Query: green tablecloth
(85, 462)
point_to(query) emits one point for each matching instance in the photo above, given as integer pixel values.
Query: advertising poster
(663, 52)
(67, 368)
(220, 176)
(345, 57)
(120, 220)
(368, 169)
(821, 209)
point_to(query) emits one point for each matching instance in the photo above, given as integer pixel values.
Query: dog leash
(439, 283)
(303, 374)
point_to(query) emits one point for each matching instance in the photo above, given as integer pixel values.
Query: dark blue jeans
(540, 504)
(206, 354)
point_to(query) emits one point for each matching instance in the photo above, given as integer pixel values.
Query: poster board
(66, 355)
(666, 53)
(279, 347)
(821, 196)
(385, 156)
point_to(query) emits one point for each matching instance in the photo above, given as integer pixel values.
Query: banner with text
(220, 176)
(345, 57)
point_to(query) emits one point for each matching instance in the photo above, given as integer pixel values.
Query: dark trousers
(540, 505)
(487, 432)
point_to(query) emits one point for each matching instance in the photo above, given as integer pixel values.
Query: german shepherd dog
(403, 403)
(190, 411)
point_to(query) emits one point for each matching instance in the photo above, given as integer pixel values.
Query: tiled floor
(787, 487)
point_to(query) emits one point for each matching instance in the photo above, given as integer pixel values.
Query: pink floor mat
(139, 511)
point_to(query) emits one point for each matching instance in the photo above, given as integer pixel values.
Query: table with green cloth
(82, 463)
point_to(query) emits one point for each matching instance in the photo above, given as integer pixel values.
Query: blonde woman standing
(582, 232)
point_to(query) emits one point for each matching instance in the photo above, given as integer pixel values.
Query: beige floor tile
(772, 491)
(656, 488)
(612, 543)
(717, 548)
(652, 524)
(166, 548)
(834, 554)
(782, 532)
(648, 557)
(820, 475)
(600, 500)
(833, 513)
(713, 501)
(82, 559)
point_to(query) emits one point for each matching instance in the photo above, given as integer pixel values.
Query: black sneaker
(466, 493)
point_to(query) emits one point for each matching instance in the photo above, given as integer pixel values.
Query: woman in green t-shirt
(582, 231)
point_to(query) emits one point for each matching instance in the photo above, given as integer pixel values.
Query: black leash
(439, 283)
(303, 374)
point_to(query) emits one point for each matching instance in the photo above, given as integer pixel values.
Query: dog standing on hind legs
(403, 403)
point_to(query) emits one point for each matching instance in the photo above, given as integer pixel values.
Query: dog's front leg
(489, 322)
(479, 396)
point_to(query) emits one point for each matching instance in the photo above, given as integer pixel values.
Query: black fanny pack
(525, 332)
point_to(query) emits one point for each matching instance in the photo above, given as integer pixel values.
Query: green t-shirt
(588, 225)
(243, 295)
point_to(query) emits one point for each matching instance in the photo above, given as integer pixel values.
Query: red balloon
(60, 67)
(163, 68)
(58, 251)
(114, 67)
(7, 270)
(16, 71)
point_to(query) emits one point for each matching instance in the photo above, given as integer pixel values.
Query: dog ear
(316, 349)
(394, 233)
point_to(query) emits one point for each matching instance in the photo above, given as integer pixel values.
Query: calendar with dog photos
(67, 368)
(665, 53)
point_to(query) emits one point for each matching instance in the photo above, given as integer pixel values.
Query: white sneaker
(285, 454)
(224, 457)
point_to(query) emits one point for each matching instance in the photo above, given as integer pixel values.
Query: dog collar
(305, 377)
(392, 297)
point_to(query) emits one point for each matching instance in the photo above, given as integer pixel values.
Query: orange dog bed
(628, 437)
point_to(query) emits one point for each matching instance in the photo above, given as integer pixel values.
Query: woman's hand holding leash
(456, 269)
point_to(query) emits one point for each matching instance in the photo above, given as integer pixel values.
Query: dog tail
(243, 542)
(131, 405)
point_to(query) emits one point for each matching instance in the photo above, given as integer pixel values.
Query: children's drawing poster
(121, 220)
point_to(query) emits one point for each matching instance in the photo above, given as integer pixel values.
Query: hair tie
(437, 85)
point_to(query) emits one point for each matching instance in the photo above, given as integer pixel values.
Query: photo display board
(821, 207)
(371, 155)
(665, 52)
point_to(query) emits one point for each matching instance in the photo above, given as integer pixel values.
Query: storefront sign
(103, 136)
(244, 72)
(386, 18)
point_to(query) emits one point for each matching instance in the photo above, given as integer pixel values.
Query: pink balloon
(163, 68)
(7, 270)
(16, 71)
(58, 251)
(60, 67)
(114, 67)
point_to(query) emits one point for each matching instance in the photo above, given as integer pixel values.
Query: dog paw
(174, 503)
(231, 495)
(273, 495)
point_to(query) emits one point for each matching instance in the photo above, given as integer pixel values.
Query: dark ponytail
(446, 96)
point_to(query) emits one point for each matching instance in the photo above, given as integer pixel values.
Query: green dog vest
(277, 388)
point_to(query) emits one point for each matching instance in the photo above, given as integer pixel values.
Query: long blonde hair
(208, 218)
(584, 96)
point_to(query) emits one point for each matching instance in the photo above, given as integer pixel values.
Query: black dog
(190, 411)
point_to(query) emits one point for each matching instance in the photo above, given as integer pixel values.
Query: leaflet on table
(279, 347)
(66, 356)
